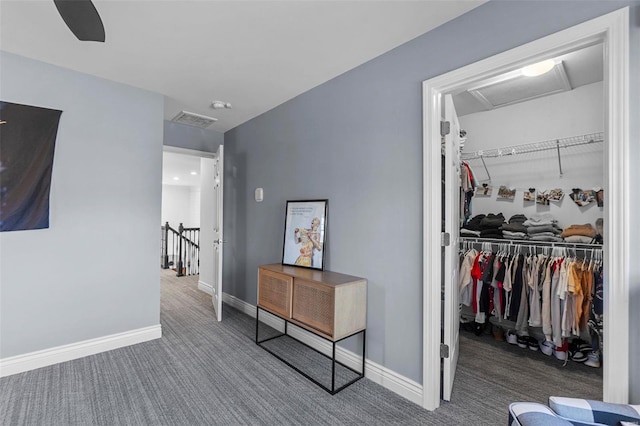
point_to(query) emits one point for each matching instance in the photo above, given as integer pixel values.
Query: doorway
(192, 190)
(612, 31)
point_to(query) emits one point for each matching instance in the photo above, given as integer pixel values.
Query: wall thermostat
(259, 194)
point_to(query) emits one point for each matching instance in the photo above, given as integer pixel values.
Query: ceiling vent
(193, 119)
(514, 87)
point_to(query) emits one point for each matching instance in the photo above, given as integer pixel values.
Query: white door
(218, 239)
(451, 199)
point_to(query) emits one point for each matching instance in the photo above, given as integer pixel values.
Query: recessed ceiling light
(176, 178)
(194, 173)
(539, 68)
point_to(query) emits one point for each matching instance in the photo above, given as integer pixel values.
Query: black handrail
(184, 244)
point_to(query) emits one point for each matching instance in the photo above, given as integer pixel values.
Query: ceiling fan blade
(82, 18)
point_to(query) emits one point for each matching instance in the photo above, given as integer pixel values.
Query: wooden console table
(330, 305)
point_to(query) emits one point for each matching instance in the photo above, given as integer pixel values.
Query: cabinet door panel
(313, 304)
(274, 292)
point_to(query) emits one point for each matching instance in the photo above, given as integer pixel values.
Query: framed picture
(304, 233)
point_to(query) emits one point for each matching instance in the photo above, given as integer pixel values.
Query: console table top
(326, 277)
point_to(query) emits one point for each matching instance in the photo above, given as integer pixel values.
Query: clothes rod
(553, 144)
(549, 244)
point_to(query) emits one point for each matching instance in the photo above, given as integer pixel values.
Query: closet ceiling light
(539, 68)
(194, 173)
(176, 178)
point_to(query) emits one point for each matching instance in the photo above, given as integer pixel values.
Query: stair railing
(180, 249)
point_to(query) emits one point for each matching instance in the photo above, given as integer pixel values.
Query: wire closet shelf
(551, 144)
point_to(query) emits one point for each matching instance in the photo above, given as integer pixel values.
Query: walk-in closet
(531, 218)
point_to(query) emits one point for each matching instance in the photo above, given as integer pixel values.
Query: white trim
(187, 151)
(389, 379)
(394, 382)
(207, 288)
(31, 361)
(613, 31)
(617, 214)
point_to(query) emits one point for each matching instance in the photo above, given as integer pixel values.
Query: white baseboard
(207, 288)
(389, 379)
(31, 361)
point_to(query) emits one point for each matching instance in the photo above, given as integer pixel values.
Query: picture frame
(305, 233)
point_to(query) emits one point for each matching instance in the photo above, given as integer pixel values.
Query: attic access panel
(514, 87)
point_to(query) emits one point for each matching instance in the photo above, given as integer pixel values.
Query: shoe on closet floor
(560, 352)
(575, 354)
(532, 343)
(522, 341)
(478, 328)
(498, 333)
(547, 348)
(593, 360)
(511, 337)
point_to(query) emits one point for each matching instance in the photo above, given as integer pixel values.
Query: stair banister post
(165, 247)
(180, 231)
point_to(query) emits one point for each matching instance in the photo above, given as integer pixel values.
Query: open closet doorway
(440, 256)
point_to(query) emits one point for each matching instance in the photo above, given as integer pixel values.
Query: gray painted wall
(190, 137)
(94, 272)
(356, 140)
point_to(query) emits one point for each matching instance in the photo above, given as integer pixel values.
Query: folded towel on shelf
(491, 233)
(517, 218)
(492, 221)
(514, 227)
(545, 234)
(469, 232)
(543, 228)
(540, 219)
(579, 239)
(546, 238)
(585, 230)
(514, 235)
(474, 223)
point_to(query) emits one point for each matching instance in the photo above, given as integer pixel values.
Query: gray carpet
(204, 372)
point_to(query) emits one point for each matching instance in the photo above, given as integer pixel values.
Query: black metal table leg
(333, 389)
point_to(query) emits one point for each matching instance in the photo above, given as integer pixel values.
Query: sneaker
(593, 360)
(511, 337)
(583, 346)
(478, 328)
(575, 354)
(560, 352)
(522, 341)
(547, 348)
(532, 343)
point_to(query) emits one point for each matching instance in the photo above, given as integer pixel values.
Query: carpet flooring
(202, 372)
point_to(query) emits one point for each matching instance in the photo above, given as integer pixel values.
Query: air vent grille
(193, 119)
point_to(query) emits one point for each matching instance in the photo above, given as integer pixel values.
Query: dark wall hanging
(27, 142)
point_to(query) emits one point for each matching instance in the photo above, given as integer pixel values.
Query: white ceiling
(253, 54)
(180, 166)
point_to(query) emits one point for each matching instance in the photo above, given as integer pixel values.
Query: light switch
(259, 194)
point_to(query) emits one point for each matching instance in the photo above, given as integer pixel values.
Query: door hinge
(444, 350)
(445, 239)
(445, 128)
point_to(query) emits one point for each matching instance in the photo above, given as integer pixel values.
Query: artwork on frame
(304, 233)
(28, 135)
(582, 197)
(529, 195)
(484, 190)
(505, 193)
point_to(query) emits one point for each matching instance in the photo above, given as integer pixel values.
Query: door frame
(612, 30)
